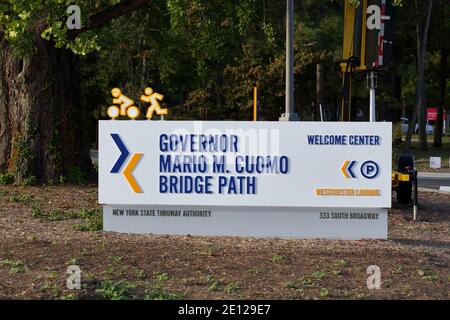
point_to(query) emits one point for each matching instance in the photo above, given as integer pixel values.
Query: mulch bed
(35, 253)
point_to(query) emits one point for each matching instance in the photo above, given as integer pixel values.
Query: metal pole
(289, 114)
(372, 83)
(416, 196)
(255, 104)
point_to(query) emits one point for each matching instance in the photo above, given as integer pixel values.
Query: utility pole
(289, 114)
(372, 84)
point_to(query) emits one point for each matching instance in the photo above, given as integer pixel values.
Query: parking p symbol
(370, 169)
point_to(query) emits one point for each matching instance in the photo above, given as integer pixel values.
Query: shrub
(6, 178)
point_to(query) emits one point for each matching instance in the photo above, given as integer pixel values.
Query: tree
(440, 29)
(420, 106)
(437, 141)
(41, 121)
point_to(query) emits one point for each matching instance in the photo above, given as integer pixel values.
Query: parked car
(405, 125)
(429, 127)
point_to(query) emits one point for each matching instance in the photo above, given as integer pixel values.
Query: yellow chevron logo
(128, 172)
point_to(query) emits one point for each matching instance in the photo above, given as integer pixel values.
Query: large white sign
(343, 223)
(259, 164)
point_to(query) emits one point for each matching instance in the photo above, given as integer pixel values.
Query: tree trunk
(41, 136)
(319, 89)
(419, 112)
(421, 94)
(437, 142)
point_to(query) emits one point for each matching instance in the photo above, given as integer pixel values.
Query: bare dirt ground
(43, 230)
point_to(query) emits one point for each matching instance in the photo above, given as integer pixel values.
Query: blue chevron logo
(347, 169)
(124, 153)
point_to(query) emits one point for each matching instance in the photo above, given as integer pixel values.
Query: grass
(72, 262)
(276, 258)
(427, 275)
(340, 263)
(69, 296)
(125, 290)
(161, 276)
(158, 292)
(53, 215)
(307, 282)
(336, 273)
(318, 275)
(6, 178)
(16, 266)
(213, 284)
(324, 292)
(112, 271)
(23, 199)
(398, 270)
(422, 158)
(92, 219)
(254, 270)
(116, 259)
(232, 287)
(115, 290)
(140, 273)
(52, 287)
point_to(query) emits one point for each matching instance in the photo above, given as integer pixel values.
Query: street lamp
(289, 114)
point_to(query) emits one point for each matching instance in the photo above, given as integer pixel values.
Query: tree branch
(103, 17)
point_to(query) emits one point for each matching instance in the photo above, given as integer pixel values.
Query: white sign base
(282, 222)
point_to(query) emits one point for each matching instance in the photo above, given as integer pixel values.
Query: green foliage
(75, 175)
(92, 220)
(123, 290)
(84, 44)
(69, 296)
(318, 275)
(53, 215)
(324, 292)
(158, 292)
(112, 290)
(310, 282)
(30, 181)
(213, 284)
(55, 149)
(6, 178)
(23, 156)
(19, 19)
(22, 198)
(427, 275)
(36, 212)
(232, 287)
(276, 258)
(206, 56)
(161, 276)
(16, 266)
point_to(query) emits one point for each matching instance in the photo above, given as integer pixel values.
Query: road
(433, 180)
